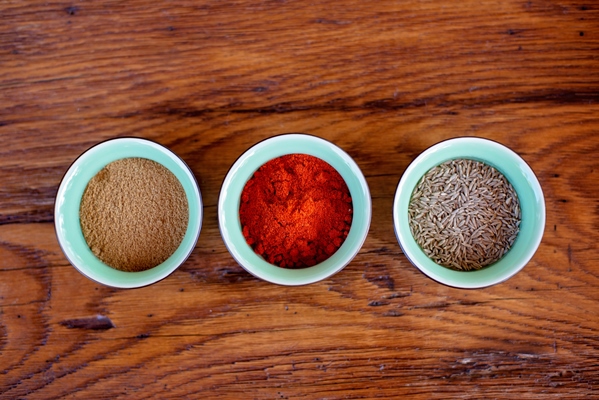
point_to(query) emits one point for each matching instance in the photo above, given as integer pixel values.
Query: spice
(134, 214)
(464, 214)
(296, 211)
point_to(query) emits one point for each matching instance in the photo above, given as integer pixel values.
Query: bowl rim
(196, 191)
(534, 185)
(247, 153)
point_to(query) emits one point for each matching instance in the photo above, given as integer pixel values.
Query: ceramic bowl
(243, 169)
(68, 200)
(517, 172)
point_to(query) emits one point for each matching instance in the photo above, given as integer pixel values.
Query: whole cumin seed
(134, 214)
(464, 214)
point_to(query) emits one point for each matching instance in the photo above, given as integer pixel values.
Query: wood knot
(96, 323)
(72, 10)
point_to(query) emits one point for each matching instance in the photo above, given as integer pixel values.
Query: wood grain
(383, 80)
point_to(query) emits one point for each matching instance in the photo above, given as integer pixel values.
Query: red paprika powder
(295, 211)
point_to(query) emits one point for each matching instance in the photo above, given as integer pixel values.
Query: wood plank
(384, 81)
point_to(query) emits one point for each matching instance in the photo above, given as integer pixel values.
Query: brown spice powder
(134, 214)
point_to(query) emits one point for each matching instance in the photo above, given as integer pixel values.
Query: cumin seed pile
(134, 214)
(464, 214)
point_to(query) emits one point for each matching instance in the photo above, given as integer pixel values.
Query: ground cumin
(296, 211)
(134, 214)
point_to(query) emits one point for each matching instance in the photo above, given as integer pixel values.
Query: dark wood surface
(384, 80)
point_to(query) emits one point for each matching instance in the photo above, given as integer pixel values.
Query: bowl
(68, 201)
(243, 169)
(516, 171)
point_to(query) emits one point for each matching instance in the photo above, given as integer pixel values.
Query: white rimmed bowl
(243, 169)
(517, 172)
(68, 201)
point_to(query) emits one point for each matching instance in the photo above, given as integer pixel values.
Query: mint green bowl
(243, 169)
(68, 200)
(517, 172)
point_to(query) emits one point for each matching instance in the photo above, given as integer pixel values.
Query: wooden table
(383, 80)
